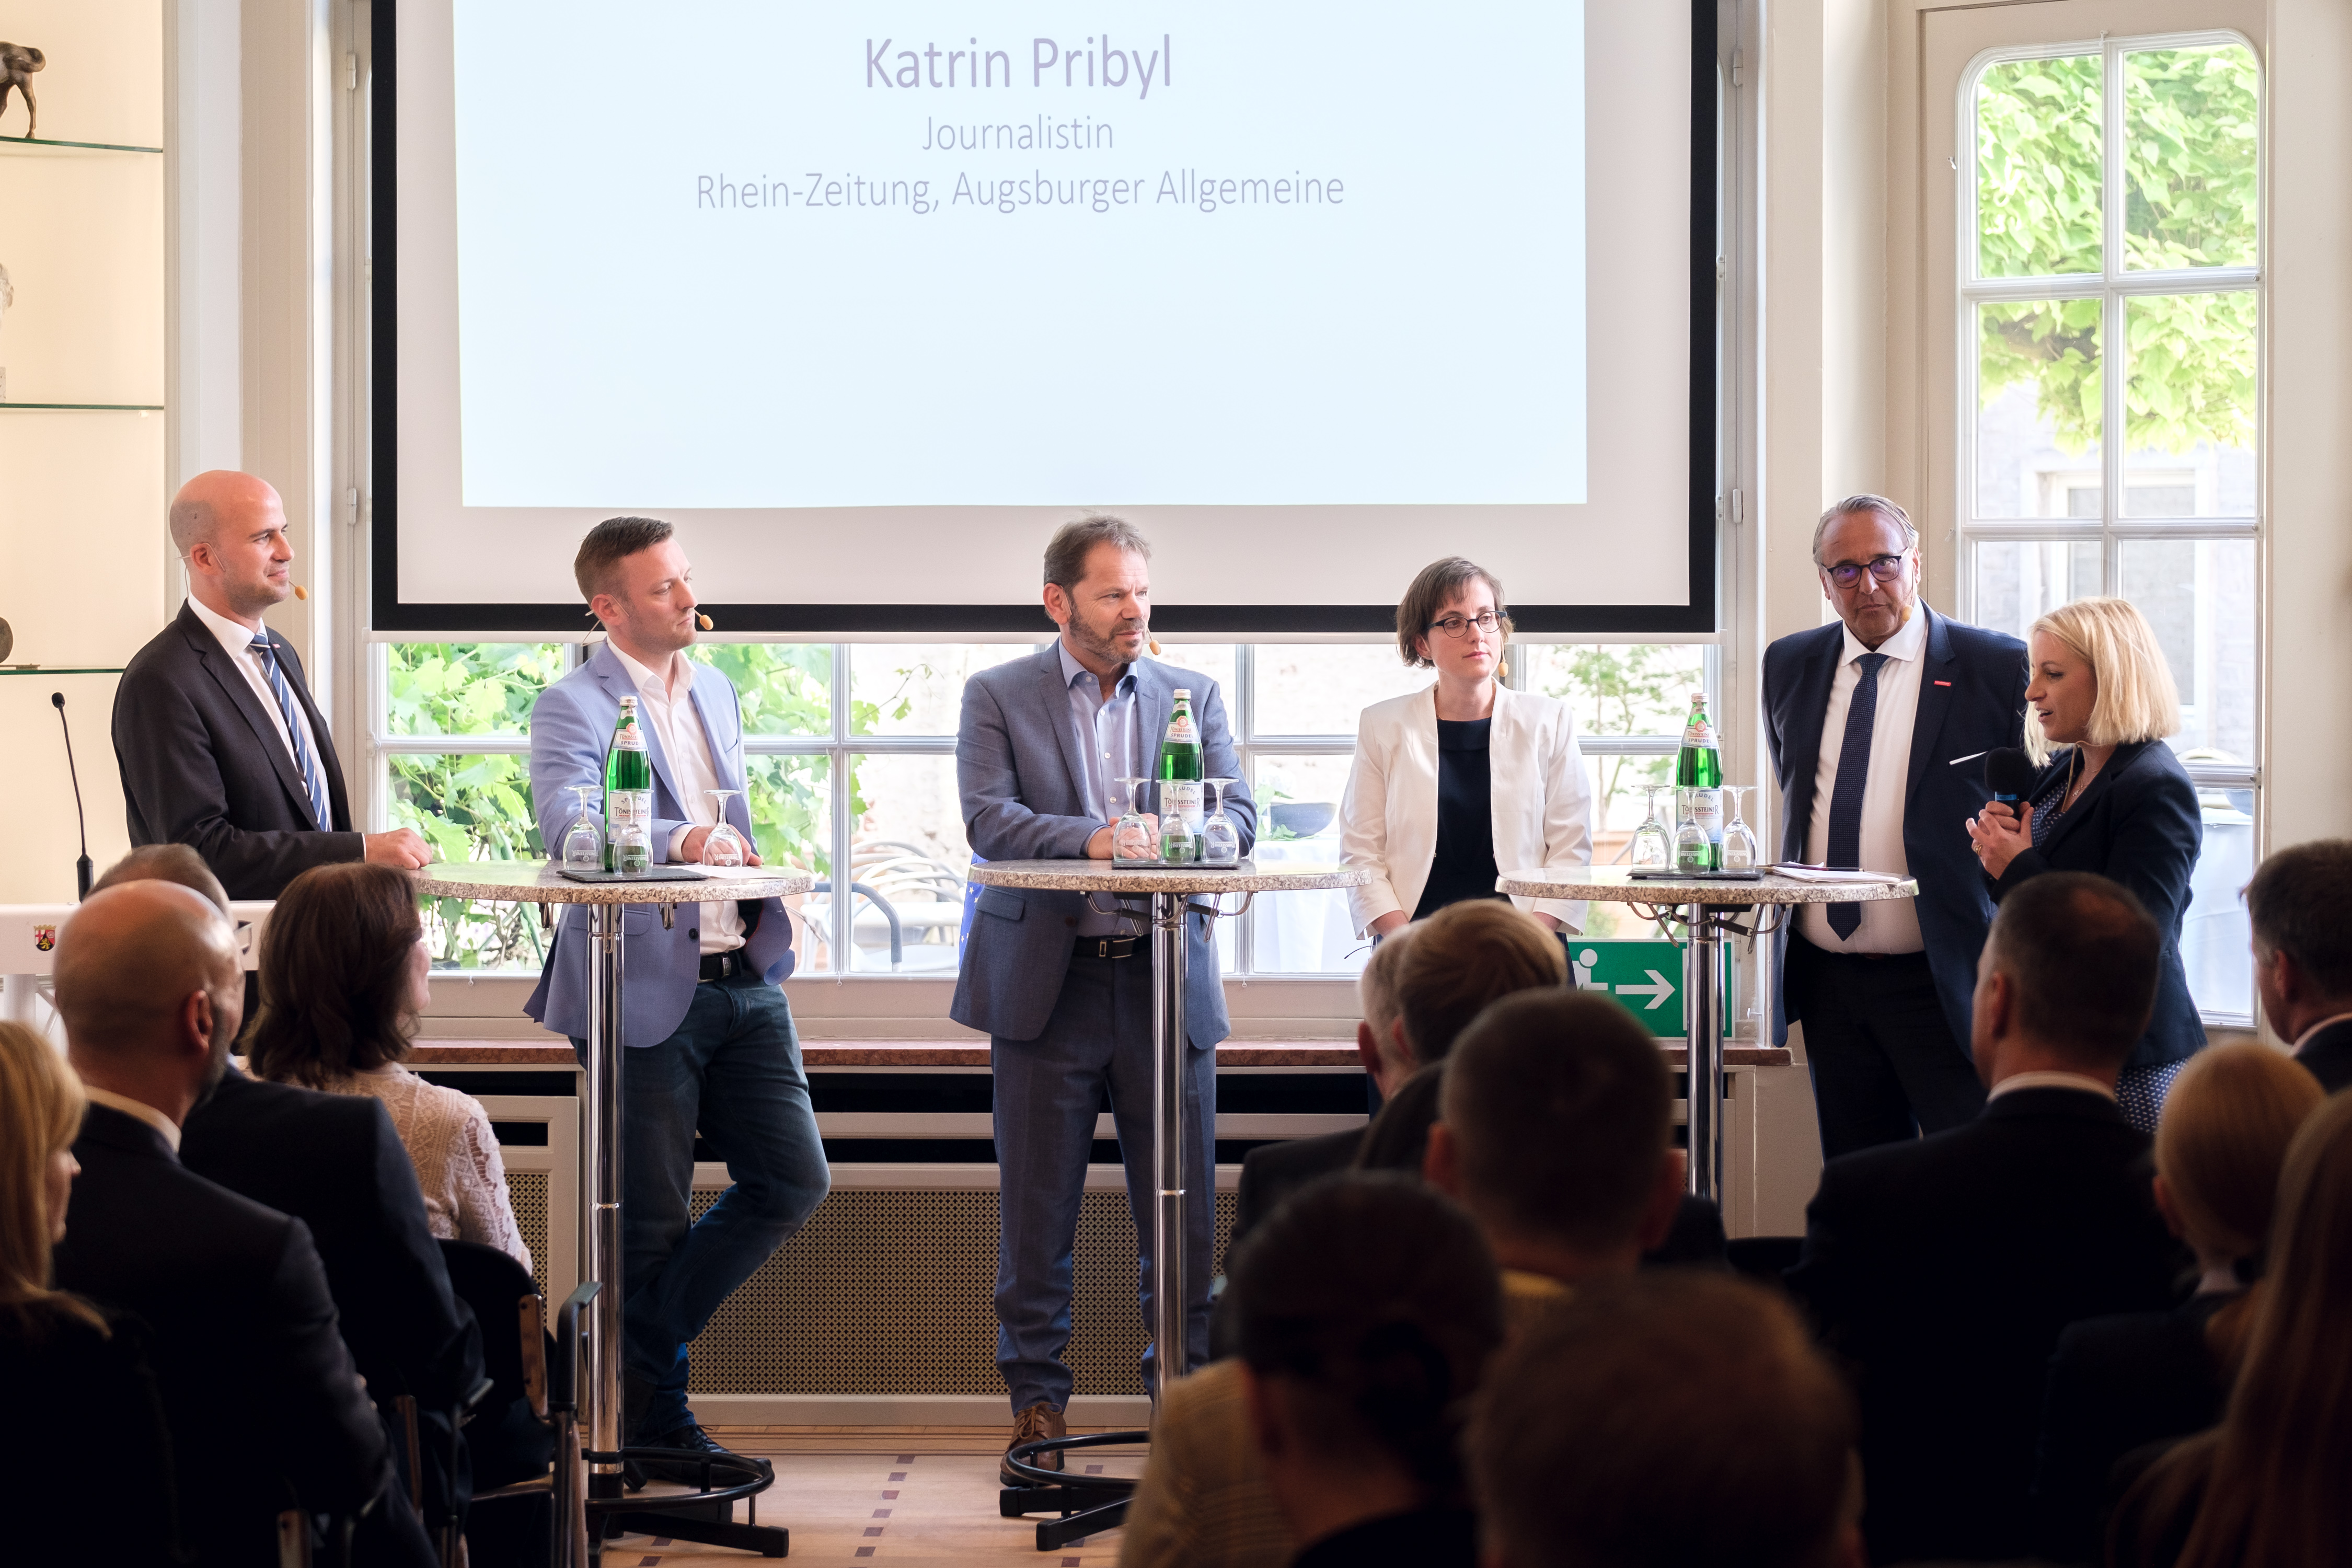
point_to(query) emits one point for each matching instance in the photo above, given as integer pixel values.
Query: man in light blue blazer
(1064, 992)
(709, 1039)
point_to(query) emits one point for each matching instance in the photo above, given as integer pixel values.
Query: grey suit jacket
(1017, 766)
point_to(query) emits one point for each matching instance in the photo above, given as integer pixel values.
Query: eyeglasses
(1459, 625)
(1885, 568)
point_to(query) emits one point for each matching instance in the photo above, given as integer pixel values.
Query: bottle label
(1181, 730)
(1183, 798)
(1705, 806)
(629, 808)
(1699, 733)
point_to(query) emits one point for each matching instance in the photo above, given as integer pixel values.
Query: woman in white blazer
(1466, 779)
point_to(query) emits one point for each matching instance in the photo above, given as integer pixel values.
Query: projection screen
(868, 298)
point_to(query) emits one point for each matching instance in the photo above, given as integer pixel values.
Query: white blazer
(1542, 799)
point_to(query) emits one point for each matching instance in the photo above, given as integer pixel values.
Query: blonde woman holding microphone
(1465, 778)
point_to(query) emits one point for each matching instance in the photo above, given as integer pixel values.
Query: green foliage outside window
(2189, 187)
(1628, 688)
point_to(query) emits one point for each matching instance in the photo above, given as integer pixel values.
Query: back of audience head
(166, 863)
(1367, 1307)
(2272, 1492)
(40, 1115)
(2297, 904)
(2067, 981)
(342, 975)
(1376, 1001)
(1556, 1131)
(1675, 1419)
(1461, 958)
(149, 985)
(2226, 1124)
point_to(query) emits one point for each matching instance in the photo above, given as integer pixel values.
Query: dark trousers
(1048, 1092)
(1886, 1067)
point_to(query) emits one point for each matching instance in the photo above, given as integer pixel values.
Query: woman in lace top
(343, 976)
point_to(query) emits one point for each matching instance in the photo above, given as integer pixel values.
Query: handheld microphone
(2008, 773)
(81, 867)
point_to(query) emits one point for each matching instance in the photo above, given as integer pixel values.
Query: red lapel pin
(1943, 683)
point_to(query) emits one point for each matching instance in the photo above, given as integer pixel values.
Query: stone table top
(532, 882)
(1615, 884)
(1102, 876)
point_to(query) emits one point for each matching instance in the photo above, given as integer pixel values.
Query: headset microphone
(702, 620)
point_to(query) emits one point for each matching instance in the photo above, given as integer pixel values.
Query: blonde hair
(41, 1104)
(2136, 698)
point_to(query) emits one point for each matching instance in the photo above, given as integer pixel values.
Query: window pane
(466, 689)
(1298, 806)
(2038, 408)
(2199, 595)
(1321, 689)
(2190, 174)
(1214, 661)
(917, 688)
(471, 808)
(2020, 580)
(2188, 398)
(1618, 689)
(907, 864)
(2216, 938)
(2039, 132)
(783, 686)
(791, 802)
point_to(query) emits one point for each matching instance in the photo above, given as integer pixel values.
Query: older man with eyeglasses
(1865, 720)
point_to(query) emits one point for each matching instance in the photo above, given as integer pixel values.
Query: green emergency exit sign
(1646, 976)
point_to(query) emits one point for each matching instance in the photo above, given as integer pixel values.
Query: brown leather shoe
(1030, 1426)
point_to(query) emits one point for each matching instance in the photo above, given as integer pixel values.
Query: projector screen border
(1697, 614)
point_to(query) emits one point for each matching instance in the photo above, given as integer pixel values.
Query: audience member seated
(2118, 1383)
(1369, 1308)
(1944, 1270)
(2298, 903)
(74, 1380)
(2265, 1489)
(1556, 1131)
(265, 1408)
(1272, 1169)
(1668, 1420)
(343, 977)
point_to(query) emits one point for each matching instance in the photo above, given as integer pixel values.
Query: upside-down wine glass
(1740, 851)
(725, 846)
(1653, 850)
(1221, 841)
(1134, 838)
(583, 840)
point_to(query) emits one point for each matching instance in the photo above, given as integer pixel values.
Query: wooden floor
(916, 1496)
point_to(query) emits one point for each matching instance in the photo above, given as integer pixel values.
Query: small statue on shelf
(17, 64)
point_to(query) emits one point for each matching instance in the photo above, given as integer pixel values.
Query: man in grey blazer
(709, 1043)
(1064, 992)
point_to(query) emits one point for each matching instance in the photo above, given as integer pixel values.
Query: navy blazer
(1017, 766)
(2138, 824)
(2328, 1056)
(1972, 699)
(1942, 1271)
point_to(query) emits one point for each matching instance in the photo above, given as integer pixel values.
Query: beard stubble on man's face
(1102, 640)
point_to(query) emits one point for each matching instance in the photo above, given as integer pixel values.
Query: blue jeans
(1048, 1093)
(732, 1073)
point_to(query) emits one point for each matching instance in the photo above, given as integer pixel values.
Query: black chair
(511, 1439)
(1764, 1258)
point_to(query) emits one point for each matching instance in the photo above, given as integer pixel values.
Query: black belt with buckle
(724, 965)
(1108, 946)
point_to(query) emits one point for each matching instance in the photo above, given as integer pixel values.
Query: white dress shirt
(139, 1109)
(1888, 925)
(237, 641)
(667, 707)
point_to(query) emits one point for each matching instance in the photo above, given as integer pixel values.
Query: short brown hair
(1066, 552)
(1561, 1114)
(2299, 901)
(334, 975)
(2082, 952)
(608, 544)
(1439, 582)
(165, 863)
(1464, 957)
(1666, 1418)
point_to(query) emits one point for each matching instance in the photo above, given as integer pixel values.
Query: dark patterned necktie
(1852, 778)
(314, 779)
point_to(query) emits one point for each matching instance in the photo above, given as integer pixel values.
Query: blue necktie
(313, 779)
(1853, 776)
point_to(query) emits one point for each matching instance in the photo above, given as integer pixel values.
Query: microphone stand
(82, 865)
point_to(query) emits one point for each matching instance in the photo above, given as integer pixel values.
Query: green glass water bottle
(1180, 784)
(628, 796)
(1698, 790)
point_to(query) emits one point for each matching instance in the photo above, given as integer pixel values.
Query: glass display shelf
(43, 144)
(59, 669)
(113, 407)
